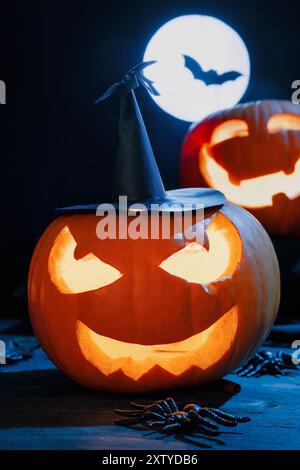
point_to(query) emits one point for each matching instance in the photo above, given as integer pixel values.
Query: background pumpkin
(145, 323)
(252, 154)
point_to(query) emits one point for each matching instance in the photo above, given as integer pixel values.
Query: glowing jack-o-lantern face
(252, 154)
(140, 315)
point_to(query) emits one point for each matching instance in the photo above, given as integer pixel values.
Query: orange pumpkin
(140, 315)
(252, 154)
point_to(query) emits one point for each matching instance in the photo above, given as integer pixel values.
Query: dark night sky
(56, 56)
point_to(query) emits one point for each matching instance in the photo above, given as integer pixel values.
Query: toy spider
(165, 415)
(265, 362)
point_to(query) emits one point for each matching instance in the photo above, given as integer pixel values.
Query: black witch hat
(136, 173)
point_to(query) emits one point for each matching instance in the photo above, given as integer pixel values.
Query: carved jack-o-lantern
(152, 313)
(139, 315)
(252, 154)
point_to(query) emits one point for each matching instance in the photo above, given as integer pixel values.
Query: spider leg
(164, 405)
(203, 421)
(170, 427)
(152, 406)
(218, 419)
(230, 417)
(264, 355)
(158, 406)
(138, 405)
(156, 423)
(153, 414)
(248, 363)
(275, 368)
(252, 363)
(258, 368)
(280, 356)
(245, 370)
(171, 404)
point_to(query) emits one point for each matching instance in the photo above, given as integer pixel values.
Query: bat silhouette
(211, 77)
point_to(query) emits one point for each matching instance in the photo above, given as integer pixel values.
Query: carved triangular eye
(228, 130)
(74, 276)
(283, 121)
(196, 264)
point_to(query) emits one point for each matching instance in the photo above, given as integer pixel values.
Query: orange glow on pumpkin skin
(193, 263)
(80, 347)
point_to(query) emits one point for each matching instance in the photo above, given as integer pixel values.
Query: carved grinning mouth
(256, 192)
(252, 193)
(134, 360)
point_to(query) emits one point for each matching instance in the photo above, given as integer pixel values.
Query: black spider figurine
(266, 362)
(165, 415)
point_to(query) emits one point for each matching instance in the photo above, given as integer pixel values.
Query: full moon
(202, 66)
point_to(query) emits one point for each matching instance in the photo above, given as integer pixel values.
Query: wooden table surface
(42, 409)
